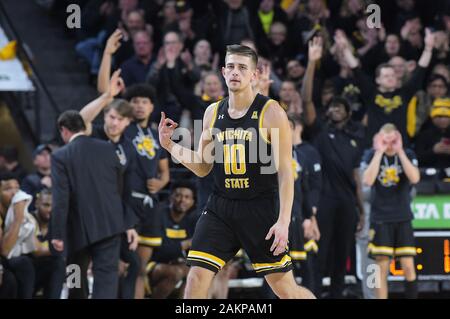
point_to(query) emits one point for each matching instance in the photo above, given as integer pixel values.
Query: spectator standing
(391, 170)
(135, 69)
(340, 212)
(173, 75)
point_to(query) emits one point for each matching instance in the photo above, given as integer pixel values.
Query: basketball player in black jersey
(252, 199)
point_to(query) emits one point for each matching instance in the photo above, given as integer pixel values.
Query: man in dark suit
(88, 213)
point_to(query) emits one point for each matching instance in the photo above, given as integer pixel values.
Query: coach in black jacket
(88, 215)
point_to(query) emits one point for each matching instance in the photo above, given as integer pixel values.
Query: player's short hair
(7, 176)
(338, 100)
(72, 121)
(121, 106)
(140, 90)
(184, 184)
(382, 66)
(388, 128)
(243, 50)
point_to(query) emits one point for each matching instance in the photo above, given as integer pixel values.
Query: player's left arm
(411, 170)
(279, 134)
(409, 165)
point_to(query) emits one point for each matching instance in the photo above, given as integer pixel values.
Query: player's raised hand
(315, 49)
(116, 84)
(113, 43)
(397, 145)
(280, 231)
(166, 128)
(379, 143)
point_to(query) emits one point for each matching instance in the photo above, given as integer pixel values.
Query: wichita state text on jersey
(244, 166)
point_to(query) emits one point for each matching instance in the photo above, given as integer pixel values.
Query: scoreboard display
(432, 240)
(432, 233)
(433, 257)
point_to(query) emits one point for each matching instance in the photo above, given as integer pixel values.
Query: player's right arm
(200, 162)
(112, 45)
(90, 111)
(314, 55)
(371, 171)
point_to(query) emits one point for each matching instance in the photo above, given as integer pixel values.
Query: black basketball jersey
(244, 167)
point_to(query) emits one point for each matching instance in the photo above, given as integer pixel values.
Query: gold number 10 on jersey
(234, 159)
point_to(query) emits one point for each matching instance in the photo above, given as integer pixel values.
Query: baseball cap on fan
(40, 148)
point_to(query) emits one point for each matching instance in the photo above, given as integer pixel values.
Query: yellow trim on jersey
(279, 264)
(240, 253)
(311, 245)
(205, 256)
(297, 255)
(213, 120)
(405, 250)
(381, 249)
(150, 241)
(274, 268)
(205, 262)
(263, 132)
(176, 233)
(150, 266)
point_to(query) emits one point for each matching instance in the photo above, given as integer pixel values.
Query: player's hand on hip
(280, 231)
(307, 229)
(360, 225)
(166, 129)
(133, 239)
(315, 229)
(58, 244)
